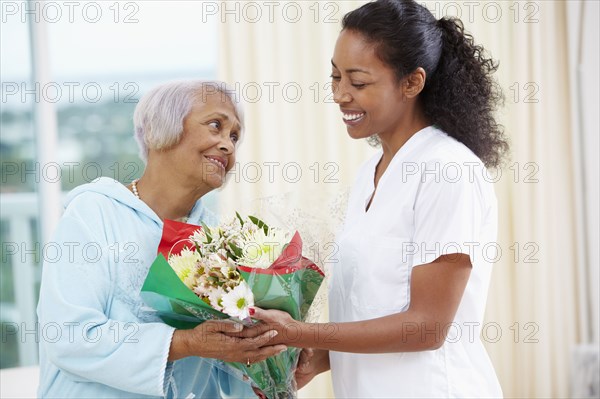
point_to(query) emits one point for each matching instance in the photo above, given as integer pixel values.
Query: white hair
(158, 117)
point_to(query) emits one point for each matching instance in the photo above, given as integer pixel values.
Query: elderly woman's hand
(210, 340)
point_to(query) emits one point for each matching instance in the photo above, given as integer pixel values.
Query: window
(102, 57)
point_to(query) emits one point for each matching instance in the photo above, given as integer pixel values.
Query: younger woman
(408, 294)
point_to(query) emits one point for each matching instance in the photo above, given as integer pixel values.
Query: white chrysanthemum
(185, 265)
(237, 302)
(191, 280)
(261, 250)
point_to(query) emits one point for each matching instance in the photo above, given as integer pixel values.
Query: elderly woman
(102, 342)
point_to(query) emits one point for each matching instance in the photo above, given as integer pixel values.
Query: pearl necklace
(137, 195)
(134, 188)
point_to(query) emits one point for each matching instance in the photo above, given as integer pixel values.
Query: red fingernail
(251, 311)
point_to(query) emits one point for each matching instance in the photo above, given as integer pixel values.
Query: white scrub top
(434, 198)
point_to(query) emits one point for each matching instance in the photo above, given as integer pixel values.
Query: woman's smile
(352, 118)
(219, 161)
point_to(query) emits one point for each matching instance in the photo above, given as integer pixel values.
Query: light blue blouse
(97, 338)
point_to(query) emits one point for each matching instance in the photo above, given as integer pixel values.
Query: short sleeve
(448, 211)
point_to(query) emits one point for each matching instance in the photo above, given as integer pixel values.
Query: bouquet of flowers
(203, 273)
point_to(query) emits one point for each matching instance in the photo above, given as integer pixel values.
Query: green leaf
(260, 224)
(206, 229)
(237, 251)
(239, 218)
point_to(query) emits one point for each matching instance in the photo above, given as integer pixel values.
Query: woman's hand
(275, 319)
(312, 362)
(288, 330)
(210, 340)
(306, 355)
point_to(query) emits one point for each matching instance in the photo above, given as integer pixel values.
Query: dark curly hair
(460, 95)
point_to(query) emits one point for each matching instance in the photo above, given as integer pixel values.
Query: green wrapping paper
(290, 285)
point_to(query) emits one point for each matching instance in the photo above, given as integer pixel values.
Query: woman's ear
(414, 82)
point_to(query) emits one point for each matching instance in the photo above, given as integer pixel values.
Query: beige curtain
(535, 313)
(295, 141)
(534, 292)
